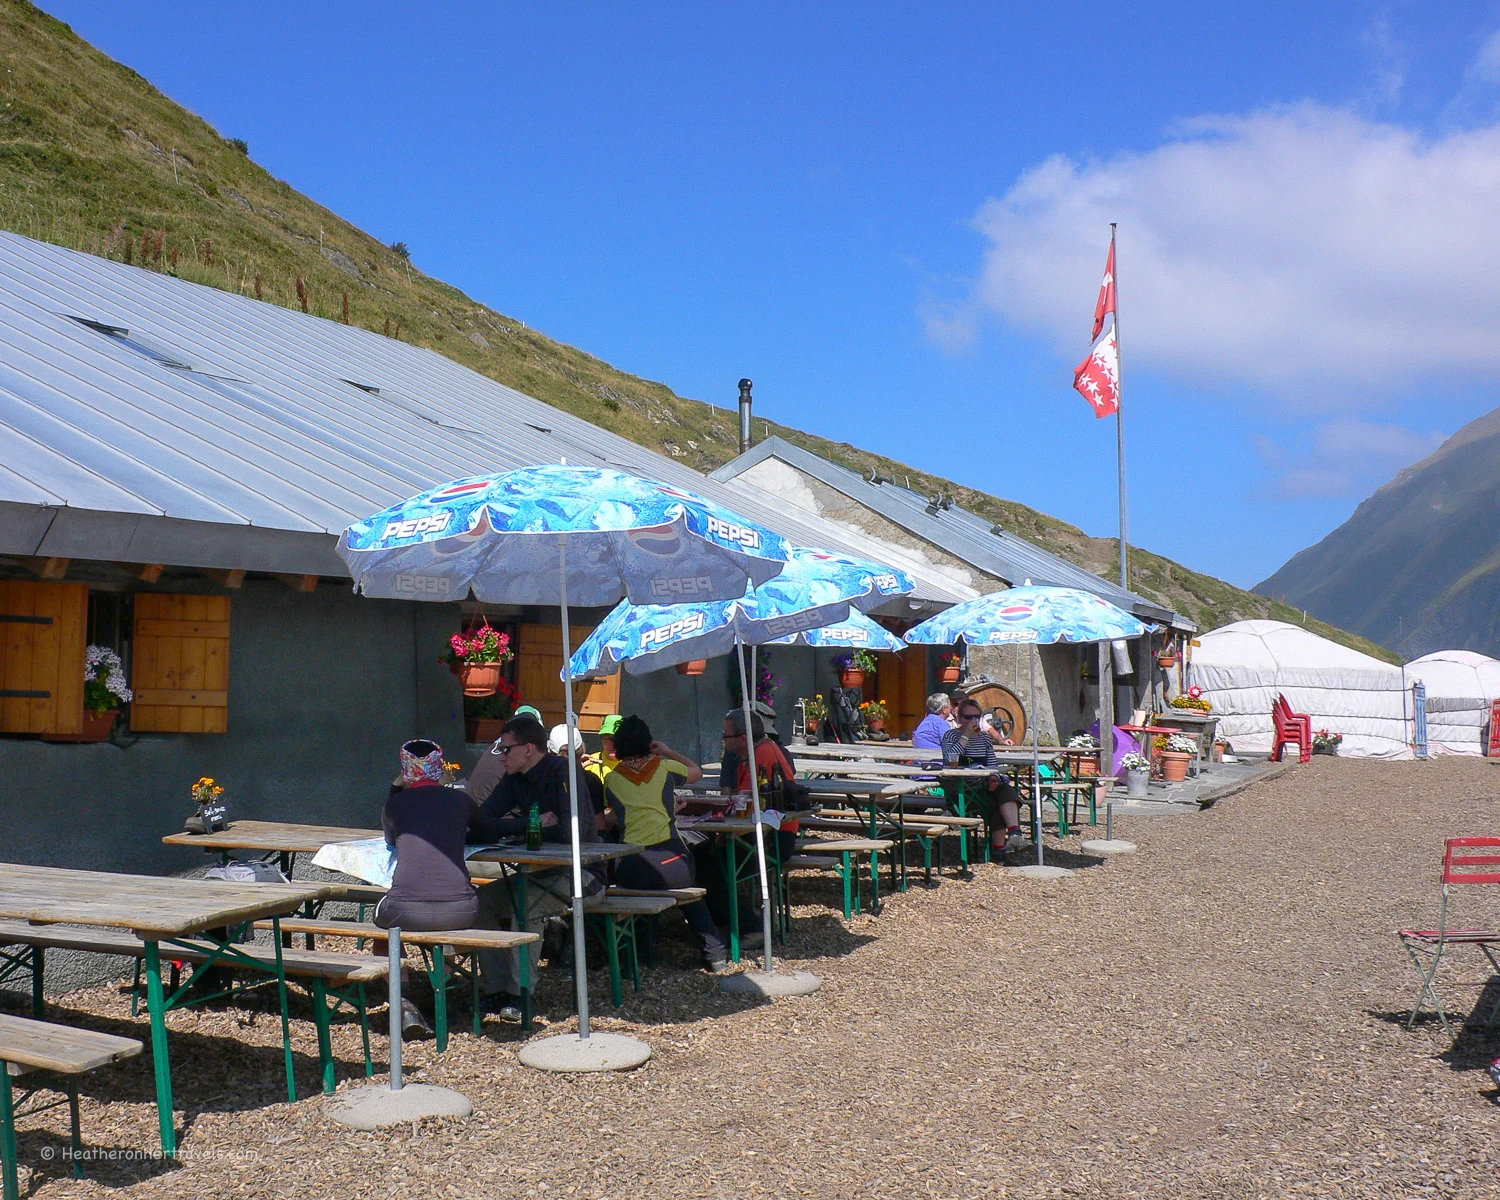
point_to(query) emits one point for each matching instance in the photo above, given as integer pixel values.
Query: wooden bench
(432, 944)
(333, 979)
(28, 1045)
(846, 849)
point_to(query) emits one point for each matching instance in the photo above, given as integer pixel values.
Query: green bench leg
(875, 882)
(75, 1132)
(474, 988)
(612, 949)
(38, 959)
(364, 1030)
(731, 877)
(325, 1042)
(848, 904)
(286, 1019)
(161, 1062)
(439, 980)
(8, 1137)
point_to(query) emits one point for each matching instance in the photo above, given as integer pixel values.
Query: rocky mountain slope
(1417, 567)
(95, 158)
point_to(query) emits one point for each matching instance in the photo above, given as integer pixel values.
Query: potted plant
(852, 668)
(1088, 764)
(104, 691)
(1326, 743)
(478, 658)
(696, 667)
(950, 666)
(814, 710)
(1137, 775)
(1174, 753)
(1166, 657)
(485, 716)
(874, 713)
(1192, 701)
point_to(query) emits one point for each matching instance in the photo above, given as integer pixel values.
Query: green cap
(610, 723)
(527, 711)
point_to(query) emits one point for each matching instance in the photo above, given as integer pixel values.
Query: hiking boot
(414, 1025)
(1016, 842)
(752, 939)
(502, 1005)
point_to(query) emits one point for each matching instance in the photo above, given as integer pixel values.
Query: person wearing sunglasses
(970, 745)
(534, 777)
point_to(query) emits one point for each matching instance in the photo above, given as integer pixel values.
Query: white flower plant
(104, 685)
(1180, 743)
(1134, 762)
(1083, 741)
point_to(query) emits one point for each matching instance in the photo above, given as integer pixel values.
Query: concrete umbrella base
(377, 1106)
(1036, 872)
(598, 1052)
(771, 983)
(1108, 846)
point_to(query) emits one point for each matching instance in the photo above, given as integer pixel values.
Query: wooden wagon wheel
(1005, 709)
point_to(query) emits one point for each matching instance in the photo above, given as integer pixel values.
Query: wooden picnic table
(288, 839)
(159, 910)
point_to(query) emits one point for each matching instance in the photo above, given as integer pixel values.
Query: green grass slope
(94, 158)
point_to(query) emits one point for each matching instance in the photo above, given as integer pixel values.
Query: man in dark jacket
(532, 777)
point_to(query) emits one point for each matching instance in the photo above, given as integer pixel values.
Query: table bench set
(869, 807)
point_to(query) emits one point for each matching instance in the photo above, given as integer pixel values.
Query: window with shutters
(538, 675)
(42, 630)
(180, 664)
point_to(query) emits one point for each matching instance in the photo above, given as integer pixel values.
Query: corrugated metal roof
(221, 409)
(960, 532)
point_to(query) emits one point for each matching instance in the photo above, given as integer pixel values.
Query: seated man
(533, 777)
(730, 761)
(969, 745)
(587, 778)
(930, 732)
(490, 768)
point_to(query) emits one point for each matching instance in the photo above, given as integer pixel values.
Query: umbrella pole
(760, 841)
(1036, 777)
(580, 960)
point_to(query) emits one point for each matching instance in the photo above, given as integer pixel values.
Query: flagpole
(1119, 418)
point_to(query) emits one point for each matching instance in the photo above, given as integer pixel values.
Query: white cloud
(1306, 248)
(1485, 69)
(1345, 457)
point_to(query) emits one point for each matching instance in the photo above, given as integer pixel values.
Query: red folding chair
(1466, 860)
(1290, 728)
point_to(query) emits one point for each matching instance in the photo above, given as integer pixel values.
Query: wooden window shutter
(538, 670)
(179, 665)
(43, 627)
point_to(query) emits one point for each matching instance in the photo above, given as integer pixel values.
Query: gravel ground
(1218, 1015)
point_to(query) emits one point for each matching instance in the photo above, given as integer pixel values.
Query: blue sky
(894, 218)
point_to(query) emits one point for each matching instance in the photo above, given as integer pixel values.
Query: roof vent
(364, 387)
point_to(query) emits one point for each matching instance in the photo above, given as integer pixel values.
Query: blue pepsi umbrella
(1029, 616)
(563, 535)
(511, 538)
(855, 631)
(816, 587)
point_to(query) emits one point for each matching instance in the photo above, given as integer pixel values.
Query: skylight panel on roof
(122, 336)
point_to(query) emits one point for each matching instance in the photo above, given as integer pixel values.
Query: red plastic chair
(1464, 862)
(1290, 727)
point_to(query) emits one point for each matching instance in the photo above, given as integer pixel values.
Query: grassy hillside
(95, 158)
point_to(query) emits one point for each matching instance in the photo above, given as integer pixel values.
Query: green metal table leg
(74, 1131)
(518, 904)
(962, 804)
(8, 1137)
(160, 1059)
(38, 960)
(440, 996)
(474, 988)
(875, 882)
(612, 950)
(732, 877)
(364, 1029)
(325, 1042)
(286, 1021)
(848, 907)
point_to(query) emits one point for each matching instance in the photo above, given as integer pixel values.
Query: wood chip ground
(1218, 1015)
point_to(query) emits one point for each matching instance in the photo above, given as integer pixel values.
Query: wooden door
(902, 684)
(538, 676)
(42, 637)
(179, 665)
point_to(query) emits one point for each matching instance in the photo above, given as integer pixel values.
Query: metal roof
(148, 419)
(968, 536)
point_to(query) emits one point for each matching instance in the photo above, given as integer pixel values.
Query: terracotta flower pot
(812, 729)
(949, 674)
(483, 729)
(96, 727)
(876, 723)
(480, 679)
(1174, 766)
(853, 678)
(1088, 766)
(1166, 661)
(696, 667)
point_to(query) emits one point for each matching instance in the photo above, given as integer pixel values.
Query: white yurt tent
(1243, 666)
(1460, 687)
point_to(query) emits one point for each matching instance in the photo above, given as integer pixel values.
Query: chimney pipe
(745, 386)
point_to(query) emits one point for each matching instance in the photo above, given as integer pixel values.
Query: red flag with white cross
(1106, 305)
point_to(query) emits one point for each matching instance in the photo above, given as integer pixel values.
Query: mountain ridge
(94, 157)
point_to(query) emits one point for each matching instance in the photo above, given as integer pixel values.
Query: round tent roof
(1457, 673)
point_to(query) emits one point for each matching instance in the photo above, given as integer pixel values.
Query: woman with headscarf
(428, 823)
